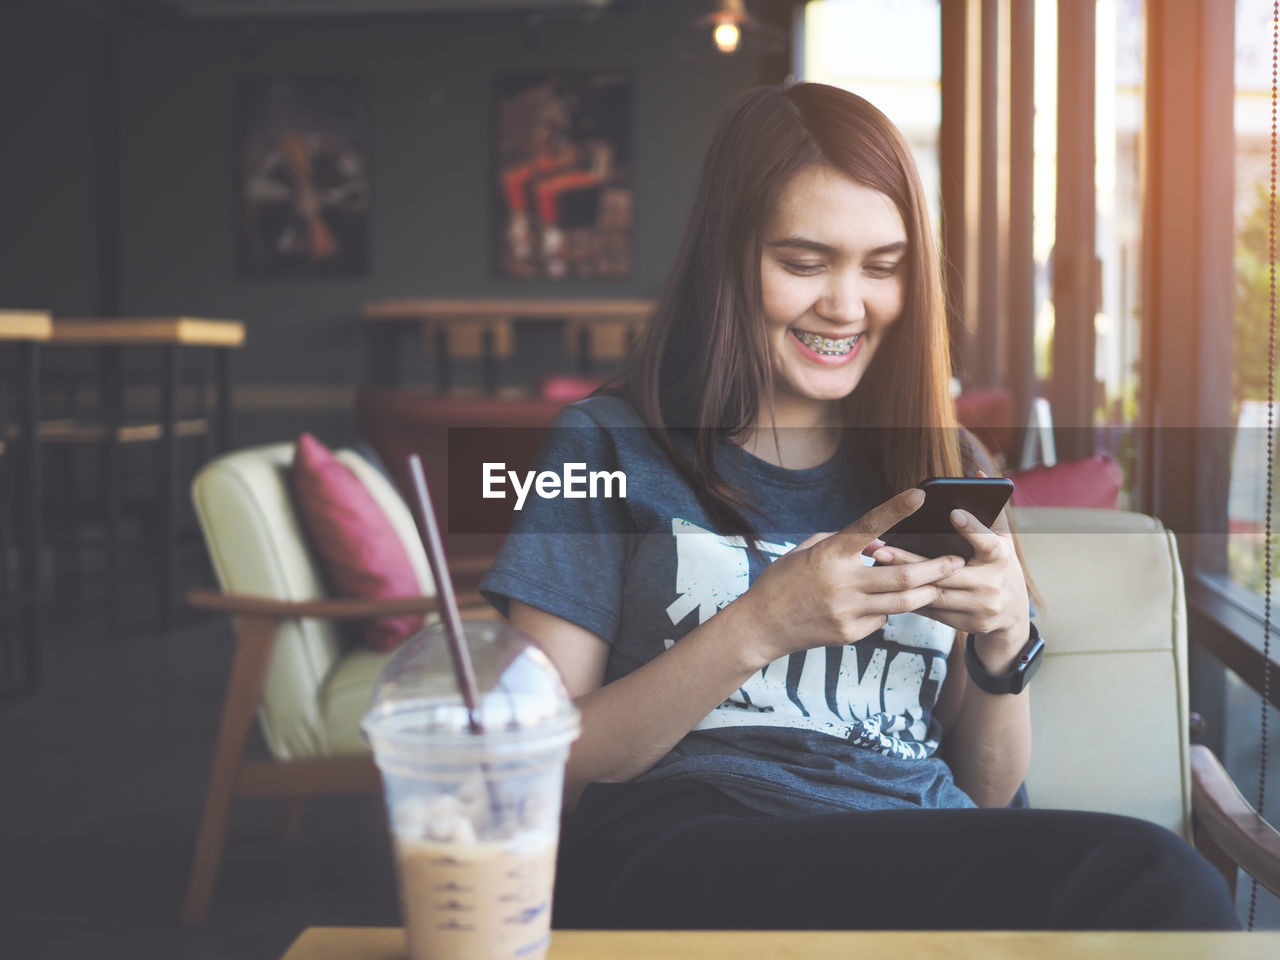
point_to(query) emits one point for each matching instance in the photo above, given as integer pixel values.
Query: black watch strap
(1017, 678)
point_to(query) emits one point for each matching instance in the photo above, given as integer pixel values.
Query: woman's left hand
(987, 597)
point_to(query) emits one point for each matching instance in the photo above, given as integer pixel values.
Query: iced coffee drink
(474, 817)
(467, 898)
(480, 900)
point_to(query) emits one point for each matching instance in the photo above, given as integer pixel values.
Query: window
(1209, 127)
(1246, 503)
(1119, 104)
(1250, 321)
(1045, 181)
(896, 65)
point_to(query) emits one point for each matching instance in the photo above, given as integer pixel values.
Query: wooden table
(381, 943)
(110, 336)
(170, 334)
(21, 333)
(482, 327)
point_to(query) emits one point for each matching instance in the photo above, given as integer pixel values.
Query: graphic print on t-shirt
(877, 693)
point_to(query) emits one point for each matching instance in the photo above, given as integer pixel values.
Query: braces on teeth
(825, 345)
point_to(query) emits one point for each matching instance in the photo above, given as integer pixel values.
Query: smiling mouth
(825, 345)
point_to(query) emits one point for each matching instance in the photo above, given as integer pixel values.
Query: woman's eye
(883, 269)
(803, 269)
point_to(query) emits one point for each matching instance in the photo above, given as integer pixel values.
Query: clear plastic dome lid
(522, 701)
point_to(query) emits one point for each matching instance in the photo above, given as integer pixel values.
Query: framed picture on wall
(562, 175)
(302, 176)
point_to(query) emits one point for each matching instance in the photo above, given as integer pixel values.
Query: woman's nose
(842, 302)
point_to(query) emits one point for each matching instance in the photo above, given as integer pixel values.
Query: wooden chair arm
(342, 608)
(459, 566)
(1221, 811)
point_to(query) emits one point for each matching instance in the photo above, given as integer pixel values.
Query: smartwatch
(1017, 678)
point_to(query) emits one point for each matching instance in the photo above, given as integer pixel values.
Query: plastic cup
(474, 817)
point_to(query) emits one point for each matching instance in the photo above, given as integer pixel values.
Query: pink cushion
(1092, 482)
(568, 388)
(358, 547)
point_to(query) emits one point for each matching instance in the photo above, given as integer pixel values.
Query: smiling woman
(771, 708)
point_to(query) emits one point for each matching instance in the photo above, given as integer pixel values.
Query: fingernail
(959, 518)
(915, 498)
(877, 542)
(884, 556)
(956, 563)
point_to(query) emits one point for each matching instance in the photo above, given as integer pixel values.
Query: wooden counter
(381, 943)
(179, 331)
(446, 308)
(25, 325)
(482, 328)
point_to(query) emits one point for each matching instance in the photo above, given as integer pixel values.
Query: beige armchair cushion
(315, 687)
(1110, 721)
(345, 698)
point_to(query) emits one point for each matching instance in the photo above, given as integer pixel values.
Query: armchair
(292, 669)
(1110, 715)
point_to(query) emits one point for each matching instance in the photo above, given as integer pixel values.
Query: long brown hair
(702, 363)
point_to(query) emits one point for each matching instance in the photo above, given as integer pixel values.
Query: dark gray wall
(430, 79)
(48, 257)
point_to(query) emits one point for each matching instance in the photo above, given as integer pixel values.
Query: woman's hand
(987, 598)
(823, 593)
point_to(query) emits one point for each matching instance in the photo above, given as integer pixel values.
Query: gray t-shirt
(831, 728)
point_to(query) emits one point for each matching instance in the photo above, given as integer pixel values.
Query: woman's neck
(795, 438)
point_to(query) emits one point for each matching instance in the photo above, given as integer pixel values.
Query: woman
(777, 733)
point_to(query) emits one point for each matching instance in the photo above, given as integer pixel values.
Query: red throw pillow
(1092, 482)
(358, 547)
(568, 388)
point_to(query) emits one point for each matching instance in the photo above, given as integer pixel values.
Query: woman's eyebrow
(804, 243)
(896, 247)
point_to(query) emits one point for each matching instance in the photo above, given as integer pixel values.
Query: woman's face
(832, 280)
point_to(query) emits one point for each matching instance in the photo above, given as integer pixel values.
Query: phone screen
(929, 533)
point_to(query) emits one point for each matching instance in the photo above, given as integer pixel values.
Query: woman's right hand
(822, 593)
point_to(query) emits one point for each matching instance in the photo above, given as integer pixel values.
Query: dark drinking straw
(444, 592)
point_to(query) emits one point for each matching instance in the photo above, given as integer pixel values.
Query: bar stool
(109, 419)
(113, 426)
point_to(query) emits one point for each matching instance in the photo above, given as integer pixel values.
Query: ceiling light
(726, 36)
(729, 20)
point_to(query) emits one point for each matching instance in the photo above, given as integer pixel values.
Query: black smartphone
(929, 532)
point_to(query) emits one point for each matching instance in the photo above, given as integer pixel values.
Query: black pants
(684, 856)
